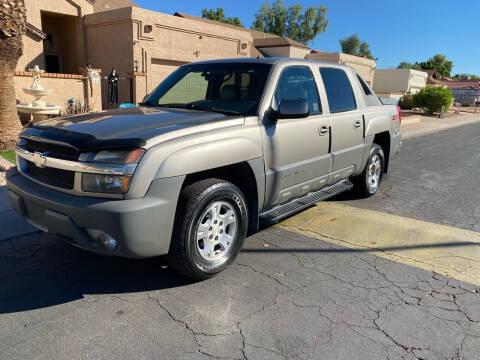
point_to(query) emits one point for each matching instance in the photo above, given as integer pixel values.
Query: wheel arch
(383, 140)
(245, 175)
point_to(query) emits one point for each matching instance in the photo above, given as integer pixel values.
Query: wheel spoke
(225, 240)
(228, 218)
(202, 231)
(207, 250)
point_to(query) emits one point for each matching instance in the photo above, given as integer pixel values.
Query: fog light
(107, 241)
(104, 239)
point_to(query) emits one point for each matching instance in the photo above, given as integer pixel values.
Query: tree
(12, 27)
(466, 77)
(293, 22)
(439, 63)
(353, 46)
(219, 15)
(407, 65)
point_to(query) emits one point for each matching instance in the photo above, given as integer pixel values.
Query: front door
(296, 151)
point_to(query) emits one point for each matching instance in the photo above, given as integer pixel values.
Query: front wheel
(210, 228)
(367, 183)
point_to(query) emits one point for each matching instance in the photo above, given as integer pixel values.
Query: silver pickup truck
(217, 149)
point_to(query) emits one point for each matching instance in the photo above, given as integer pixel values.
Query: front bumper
(142, 227)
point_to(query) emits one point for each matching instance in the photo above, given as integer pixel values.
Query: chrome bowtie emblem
(39, 159)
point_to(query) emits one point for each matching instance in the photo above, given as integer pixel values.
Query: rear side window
(339, 90)
(370, 98)
(297, 82)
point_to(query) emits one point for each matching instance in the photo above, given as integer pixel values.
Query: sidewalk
(429, 125)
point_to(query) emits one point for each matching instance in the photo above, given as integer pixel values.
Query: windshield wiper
(147, 103)
(211, 109)
(192, 106)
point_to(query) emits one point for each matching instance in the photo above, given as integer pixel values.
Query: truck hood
(129, 126)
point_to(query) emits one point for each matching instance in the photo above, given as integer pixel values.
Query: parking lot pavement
(287, 296)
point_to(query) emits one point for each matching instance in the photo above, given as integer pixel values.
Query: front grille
(53, 150)
(55, 177)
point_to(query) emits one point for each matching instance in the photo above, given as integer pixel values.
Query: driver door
(296, 151)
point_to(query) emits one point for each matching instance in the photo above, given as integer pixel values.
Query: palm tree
(12, 27)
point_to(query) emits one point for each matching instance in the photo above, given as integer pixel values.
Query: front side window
(297, 82)
(339, 90)
(230, 88)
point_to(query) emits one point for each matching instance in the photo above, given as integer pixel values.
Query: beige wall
(365, 67)
(399, 81)
(285, 51)
(139, 87)
(110, 45)
(33, 46)
(63, 89)
(175, 41)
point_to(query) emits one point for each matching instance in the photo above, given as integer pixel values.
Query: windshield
(229, 88)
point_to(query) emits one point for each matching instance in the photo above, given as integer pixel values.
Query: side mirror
(291, 109)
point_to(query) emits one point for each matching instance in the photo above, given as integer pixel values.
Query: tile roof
(36, 31)
(466, 84)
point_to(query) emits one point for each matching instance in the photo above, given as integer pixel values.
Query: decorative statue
(36, 78)
(113, 88)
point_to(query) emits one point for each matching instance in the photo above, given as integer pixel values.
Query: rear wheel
(210, 228)
(368, 182)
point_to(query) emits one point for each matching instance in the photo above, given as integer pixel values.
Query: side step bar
(282, 211)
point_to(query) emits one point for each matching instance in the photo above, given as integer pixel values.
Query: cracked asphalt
(288, 296)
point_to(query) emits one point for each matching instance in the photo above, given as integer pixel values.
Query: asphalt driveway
(317, 286)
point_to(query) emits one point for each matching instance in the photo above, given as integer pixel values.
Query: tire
(367, 183)
(207, 238)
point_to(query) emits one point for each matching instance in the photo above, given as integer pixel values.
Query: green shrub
(405, 102)
(433, 98)
(8, 155)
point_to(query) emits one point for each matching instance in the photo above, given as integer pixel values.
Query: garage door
(160, 69)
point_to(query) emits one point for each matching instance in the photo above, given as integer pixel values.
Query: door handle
(323, 130)
(357, 125)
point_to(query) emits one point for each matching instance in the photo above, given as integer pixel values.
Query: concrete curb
(5, 164)
(411, 119)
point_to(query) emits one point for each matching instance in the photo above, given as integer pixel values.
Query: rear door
(346, 123)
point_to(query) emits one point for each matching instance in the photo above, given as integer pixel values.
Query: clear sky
(410, 30)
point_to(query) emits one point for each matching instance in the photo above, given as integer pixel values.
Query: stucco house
(143, 46)
(394, 83)
(464, 92)
(365, 67)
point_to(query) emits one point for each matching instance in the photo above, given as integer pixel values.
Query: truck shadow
(40, 271)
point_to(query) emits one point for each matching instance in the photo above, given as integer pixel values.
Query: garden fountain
(38, 108)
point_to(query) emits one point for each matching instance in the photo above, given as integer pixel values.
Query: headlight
(114, 156)
(115, 170)
(111, 184)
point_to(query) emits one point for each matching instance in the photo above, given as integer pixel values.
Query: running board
(282, 211)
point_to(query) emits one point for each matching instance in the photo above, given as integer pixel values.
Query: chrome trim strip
(78, 168)
(82, 167)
